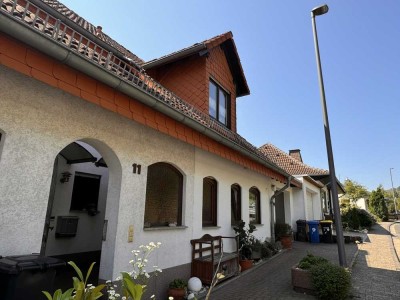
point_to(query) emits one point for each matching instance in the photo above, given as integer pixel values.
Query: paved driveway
(272, 279)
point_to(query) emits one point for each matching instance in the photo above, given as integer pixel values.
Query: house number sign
(136, 168)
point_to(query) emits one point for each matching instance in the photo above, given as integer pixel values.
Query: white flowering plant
(134, 283)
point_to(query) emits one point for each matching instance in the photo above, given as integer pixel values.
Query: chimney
(98, 30)
(296, 154)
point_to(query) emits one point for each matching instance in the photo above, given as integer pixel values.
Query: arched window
(236, 204)
(254, 206)
(163, 196)
(209, 202)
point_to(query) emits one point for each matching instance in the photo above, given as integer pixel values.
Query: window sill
(258, 225)
(211, 227)
(165, 228)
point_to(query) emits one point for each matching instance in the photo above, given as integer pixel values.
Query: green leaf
(95, 293)
(57, 294)
(67, 295)
(77, 270)
(47, 294)
(132, 289)
(79, 288)
(89, 271)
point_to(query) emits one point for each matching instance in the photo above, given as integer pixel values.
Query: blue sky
(360, 54)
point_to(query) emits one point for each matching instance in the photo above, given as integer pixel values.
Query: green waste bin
(24, 277)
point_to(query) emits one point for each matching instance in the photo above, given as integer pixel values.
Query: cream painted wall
(298, 212)
(227, 173)
(313, 205)
(301, 206)
(39, 121)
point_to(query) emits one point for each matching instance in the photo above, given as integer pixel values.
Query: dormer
(208, 75)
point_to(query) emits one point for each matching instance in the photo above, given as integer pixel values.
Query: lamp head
(320, 10)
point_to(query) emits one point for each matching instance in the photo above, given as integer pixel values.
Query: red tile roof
(226, 42)
(81, 22)
(289, 164)
(43, 18)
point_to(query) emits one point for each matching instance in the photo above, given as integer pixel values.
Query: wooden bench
(207, 252)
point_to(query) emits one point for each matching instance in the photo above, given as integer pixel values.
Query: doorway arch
(95, 223)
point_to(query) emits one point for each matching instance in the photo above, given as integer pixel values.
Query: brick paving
(375, 271)
(272, 279)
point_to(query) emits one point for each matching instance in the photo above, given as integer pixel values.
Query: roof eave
(242, 88)
(56, 50)
(174, 56)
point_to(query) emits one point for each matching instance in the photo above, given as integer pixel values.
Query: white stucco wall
(298, 212)
(227, 173)
(39, 121)
(302, 208)
(362, 203)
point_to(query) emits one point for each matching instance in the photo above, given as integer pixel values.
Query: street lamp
(394, 198)
(320, 10)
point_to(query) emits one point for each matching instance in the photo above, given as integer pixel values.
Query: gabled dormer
(208, 75)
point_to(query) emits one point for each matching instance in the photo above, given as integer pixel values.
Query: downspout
(272, 204)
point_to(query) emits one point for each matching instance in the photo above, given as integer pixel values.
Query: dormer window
(218, 104)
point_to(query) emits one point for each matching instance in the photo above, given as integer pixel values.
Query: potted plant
(315, 275)
(177, 289)
(246, 240)
(256, 250)
(284, 234)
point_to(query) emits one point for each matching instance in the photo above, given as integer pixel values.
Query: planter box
(301, 281)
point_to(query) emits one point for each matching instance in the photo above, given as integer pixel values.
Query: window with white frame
(209, 202)
(236, 204)
(254, 206)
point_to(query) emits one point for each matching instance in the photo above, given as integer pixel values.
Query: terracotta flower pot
(246, 264)
(286, 241)
(178, 294)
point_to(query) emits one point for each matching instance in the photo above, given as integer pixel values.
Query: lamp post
(320, 10)
(394, 198)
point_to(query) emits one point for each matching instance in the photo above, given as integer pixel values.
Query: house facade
(310, 202)
(101, 152)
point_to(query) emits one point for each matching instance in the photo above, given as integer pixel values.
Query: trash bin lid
(19, 263)
(326, 221)
(313, 222)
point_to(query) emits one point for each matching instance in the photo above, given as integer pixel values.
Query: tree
(389, 195)
(377, 204)
(354, 191)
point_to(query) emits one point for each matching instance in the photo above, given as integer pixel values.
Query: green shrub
(330, 281)
(311, 260)
(177, 284)
(282, 229)
(356, 218)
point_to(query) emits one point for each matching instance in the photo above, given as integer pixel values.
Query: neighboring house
(101, 152)
(312, 201)
(362, 203)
